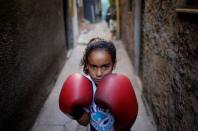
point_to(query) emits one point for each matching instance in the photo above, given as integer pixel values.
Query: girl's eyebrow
(100, 65)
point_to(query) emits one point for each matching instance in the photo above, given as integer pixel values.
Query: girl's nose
(99, 72)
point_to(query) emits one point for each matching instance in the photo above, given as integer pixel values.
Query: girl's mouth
(97, 81)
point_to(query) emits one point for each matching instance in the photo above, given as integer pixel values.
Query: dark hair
(94, 44)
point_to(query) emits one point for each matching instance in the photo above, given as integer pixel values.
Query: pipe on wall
(137, 34)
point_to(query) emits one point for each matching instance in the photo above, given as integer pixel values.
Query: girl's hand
(118, 128)
(84, 119)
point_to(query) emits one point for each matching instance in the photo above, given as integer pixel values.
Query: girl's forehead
(99, 55)
(99, 52)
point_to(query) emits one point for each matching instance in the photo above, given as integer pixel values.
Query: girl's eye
(93, 67)
(105, 67)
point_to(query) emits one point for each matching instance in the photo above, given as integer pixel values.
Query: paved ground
(52, 119)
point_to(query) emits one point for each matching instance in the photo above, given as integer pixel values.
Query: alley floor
(51, 118)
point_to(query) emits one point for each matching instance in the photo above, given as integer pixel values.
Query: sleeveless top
(101, 119)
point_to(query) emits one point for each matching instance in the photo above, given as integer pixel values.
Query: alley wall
(127, 27)
(32, 52)
(169, 62)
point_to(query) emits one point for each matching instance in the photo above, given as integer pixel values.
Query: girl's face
(99, 64)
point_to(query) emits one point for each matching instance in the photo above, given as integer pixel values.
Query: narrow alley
(52, 119)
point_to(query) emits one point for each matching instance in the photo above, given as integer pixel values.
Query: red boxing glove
(115, 92)
(76, 94)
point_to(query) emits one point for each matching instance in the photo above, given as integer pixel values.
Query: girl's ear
(86, 69)
(114, 66)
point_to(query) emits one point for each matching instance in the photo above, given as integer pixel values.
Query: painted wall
(74, 22)
(104, 6)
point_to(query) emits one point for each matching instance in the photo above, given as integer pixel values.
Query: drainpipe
(137, 34)
(117, 2)
(92, 13)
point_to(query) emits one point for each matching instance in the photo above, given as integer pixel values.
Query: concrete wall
(169, 64)
(32, 52)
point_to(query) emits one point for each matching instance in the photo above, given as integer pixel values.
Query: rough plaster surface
(31, 50)
(169, 63)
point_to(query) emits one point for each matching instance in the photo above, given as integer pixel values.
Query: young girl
(99, 60)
